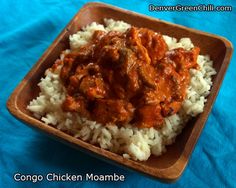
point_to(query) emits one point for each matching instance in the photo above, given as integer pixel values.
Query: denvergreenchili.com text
(190, 8)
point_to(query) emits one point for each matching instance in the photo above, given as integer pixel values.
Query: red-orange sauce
(128, 77)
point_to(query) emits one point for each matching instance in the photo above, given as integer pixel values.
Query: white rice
(129, 141)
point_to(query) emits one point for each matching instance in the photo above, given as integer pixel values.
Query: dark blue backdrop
(27, 28)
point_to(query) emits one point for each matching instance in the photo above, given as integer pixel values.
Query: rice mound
(129, 141)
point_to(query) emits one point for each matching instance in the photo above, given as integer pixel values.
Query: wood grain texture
(170, 165)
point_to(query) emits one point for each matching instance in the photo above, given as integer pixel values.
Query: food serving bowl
(171, 164)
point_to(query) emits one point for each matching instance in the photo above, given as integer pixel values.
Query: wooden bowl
(170, 165)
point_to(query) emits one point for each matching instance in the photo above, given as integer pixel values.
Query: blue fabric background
(27, 28)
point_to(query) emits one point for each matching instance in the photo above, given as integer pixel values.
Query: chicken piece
(110, 49)
(65, 71)
(182, 59)
(72, 104)
(191, 58)
(149, 116)
(72, 60)
(93, 87)
(80, 72)
(119, 91)
(154, 43)
(148, 75)
(112, 39)
(128, 76)
(83, 54)
(73, 85)
(89, 69)
(98, 35)
(133, 84)
(134, 42)
(113, 111)
(171, 108)
(109, 56)
(149, 96)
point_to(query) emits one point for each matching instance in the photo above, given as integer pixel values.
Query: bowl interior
(213, 46)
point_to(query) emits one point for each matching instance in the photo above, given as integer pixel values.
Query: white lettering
(16, 177)
(49, 177)
(108, 177)
(28, 177)
(63, 177)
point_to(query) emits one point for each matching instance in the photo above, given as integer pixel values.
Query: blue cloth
(27, 28)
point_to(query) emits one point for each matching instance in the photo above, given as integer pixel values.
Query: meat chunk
(154, 43)
(77, 104)
(149, 116)
(182, 59)
(168, 109)
(148, 75)
(135, 43)
(113, 111)
(133, 84)
(98, 35)
(66, 69)
(81, 71)
(93, 87)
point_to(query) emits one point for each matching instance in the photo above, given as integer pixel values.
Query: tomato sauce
(128, 77)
